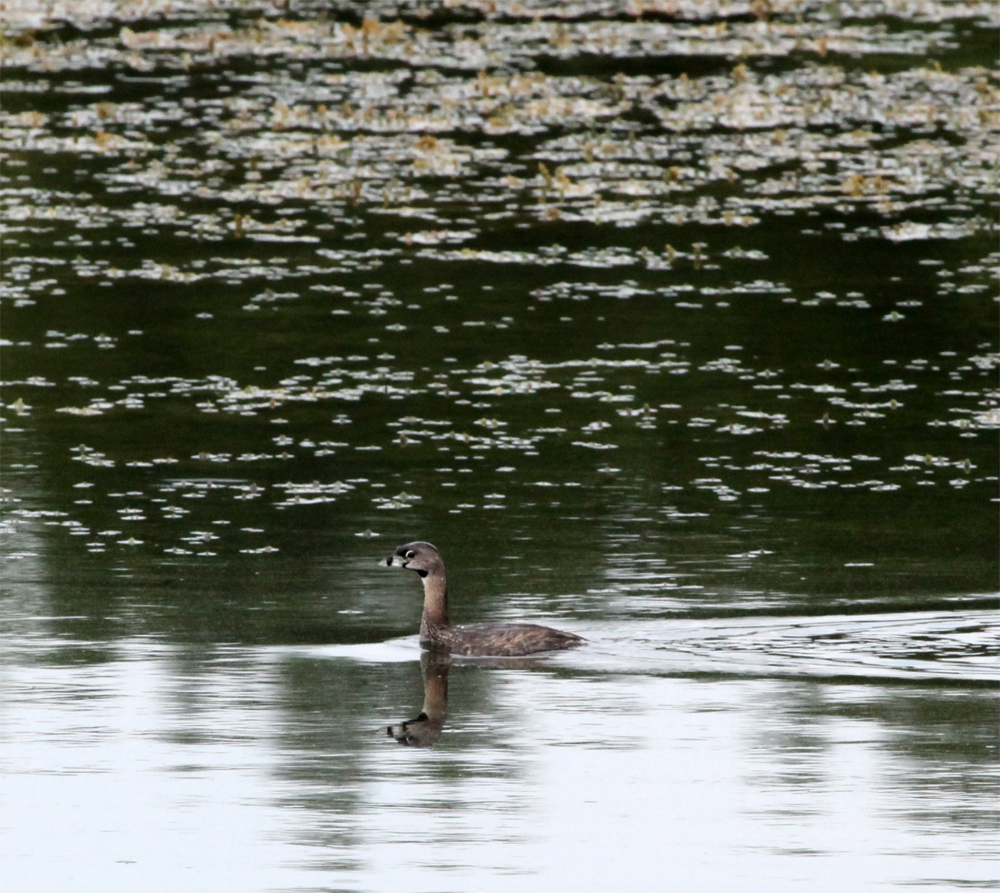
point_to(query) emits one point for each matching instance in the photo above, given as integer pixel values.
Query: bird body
(482, 639)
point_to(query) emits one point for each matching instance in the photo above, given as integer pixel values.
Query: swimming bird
(481, 639)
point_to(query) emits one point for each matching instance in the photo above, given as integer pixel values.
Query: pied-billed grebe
(483, 639)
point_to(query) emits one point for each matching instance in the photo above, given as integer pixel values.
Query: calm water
(674, 328)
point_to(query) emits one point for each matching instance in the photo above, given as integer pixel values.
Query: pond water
(673, 325)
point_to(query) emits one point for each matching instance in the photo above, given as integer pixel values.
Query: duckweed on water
(300, 258)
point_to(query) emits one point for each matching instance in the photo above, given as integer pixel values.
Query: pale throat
(435, 601)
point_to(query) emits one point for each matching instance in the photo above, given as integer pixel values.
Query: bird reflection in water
(425, 729)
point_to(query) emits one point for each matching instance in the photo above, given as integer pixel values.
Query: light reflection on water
(662, 749)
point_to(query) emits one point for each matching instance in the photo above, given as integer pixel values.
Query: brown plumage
(483, 639)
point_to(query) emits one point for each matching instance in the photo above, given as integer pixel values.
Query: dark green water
(675, 330)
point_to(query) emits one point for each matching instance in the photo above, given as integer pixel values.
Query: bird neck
(435, 602)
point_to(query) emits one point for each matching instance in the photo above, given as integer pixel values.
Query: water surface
(673, 326)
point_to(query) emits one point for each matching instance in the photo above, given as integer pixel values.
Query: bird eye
(410, 554)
